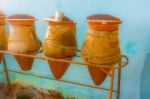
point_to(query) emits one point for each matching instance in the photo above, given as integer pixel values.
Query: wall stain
(131, 48)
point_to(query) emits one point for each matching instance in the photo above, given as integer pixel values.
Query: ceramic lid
(21, 17)
(103, 18)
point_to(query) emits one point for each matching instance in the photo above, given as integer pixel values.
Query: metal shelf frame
(117, 68)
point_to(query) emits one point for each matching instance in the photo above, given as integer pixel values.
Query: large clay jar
(3, 35)
(23, 39)
(101, 46)
(60, 43)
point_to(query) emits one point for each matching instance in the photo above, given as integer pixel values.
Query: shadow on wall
(145, 79)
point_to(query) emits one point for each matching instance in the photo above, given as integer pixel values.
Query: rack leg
(6, 72)
(119, 82)
(111, 84)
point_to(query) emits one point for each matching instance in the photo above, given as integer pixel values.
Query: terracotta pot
(60, 43)
(23, 39)
(3, 35)
(101, 46)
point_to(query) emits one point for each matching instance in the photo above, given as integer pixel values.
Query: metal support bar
(103, 69)
(119, 82)
(75, 83)
(6, 71)
(68, 61)
(111, 84)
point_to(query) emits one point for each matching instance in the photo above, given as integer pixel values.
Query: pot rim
(103, 21)
(20, 19)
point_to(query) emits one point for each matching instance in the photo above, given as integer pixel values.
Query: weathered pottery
(101, 46)
(23, 39)
(60, 43)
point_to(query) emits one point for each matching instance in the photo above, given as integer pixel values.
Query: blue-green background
(134, 42)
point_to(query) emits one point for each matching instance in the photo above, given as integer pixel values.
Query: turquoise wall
(134, 42)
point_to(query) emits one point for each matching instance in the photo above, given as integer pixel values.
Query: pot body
(101, 47)
(60, 43)
(23, 39)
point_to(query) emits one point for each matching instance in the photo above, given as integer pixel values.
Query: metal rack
(111, 89)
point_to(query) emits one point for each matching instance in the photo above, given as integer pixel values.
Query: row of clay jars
(3, 35)
(60, 43)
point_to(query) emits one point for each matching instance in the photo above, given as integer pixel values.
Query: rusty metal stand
(111, 89)
(119, 82)
(111, 84)
(6, 72)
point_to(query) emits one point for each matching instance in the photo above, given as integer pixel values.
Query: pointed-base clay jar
(101, 46)
(60, 43)
(23, 39)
